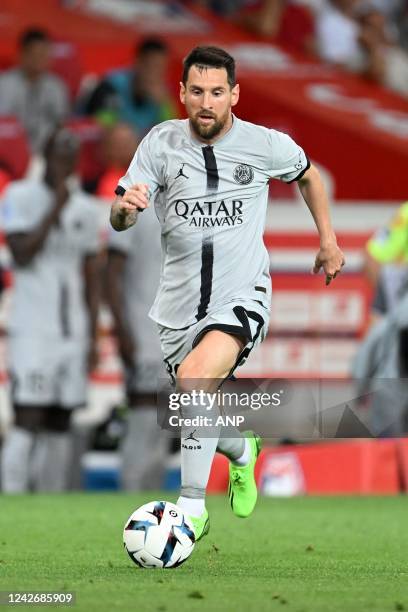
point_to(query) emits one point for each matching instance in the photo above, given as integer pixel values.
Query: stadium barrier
(357, 467)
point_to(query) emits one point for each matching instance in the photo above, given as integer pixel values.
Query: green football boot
(201, 525)
(242, 489)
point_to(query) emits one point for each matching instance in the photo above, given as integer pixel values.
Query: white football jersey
(49, 294)
(211, 203)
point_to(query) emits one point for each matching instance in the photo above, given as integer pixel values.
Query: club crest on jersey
(243, 174)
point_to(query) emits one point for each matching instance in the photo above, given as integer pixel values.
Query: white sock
(193, 507)
(245, 458)
(198, 446)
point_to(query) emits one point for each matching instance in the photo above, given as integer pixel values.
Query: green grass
(303, 555)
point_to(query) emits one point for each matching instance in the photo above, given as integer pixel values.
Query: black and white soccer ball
(158, 534)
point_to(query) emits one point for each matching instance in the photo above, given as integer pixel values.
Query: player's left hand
(331, 259)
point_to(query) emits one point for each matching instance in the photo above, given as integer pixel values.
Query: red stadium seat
(14, 147)
(90, 133)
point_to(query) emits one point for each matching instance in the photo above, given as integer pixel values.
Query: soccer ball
(158, 534)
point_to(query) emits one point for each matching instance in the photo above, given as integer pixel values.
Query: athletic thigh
(213, 357)
(246, 321)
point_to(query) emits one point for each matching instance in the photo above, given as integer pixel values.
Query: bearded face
(207, 125)
(208, 99)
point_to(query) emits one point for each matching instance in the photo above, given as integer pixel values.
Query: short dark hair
(151, 45)
(33, 35)
(210, 57)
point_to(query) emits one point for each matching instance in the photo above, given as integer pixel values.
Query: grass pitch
(302, 555)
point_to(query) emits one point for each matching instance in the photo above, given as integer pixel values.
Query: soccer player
(131, 288)
(208, 177)
(52, 231)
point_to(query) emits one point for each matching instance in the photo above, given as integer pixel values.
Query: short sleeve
(288, 160)
(145, 166)
(15, 211)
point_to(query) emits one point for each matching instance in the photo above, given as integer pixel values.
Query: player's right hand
(136, 197)
(331, 259)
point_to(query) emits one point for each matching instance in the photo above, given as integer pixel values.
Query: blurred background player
(383, 354)
(52, 231)
(133, 272)
(30, 92)
(386, 263)
(380, 370)
(137, 95)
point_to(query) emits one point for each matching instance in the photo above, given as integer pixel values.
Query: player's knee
(191, 373)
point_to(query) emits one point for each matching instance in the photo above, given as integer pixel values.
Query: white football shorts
(248, 319)
(48, 372)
